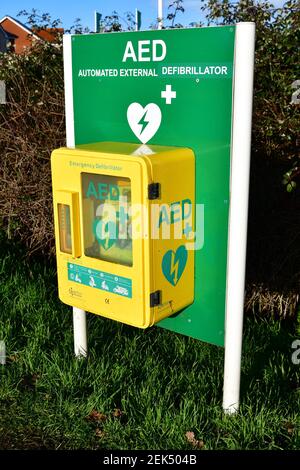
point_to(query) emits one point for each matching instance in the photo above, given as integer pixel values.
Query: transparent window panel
(107, 225)
(64, 223)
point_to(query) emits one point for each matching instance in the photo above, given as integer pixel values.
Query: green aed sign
(167, 87)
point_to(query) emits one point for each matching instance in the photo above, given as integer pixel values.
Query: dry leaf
(13, 357)
(96, 416)
(200, 444)
(99, 432)
(190, 437)
(117, 413)
(289, 427)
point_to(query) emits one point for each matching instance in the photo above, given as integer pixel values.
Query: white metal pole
(68, 84)
(80, 336)
(160, 14)
(79, 316)
(238, 211)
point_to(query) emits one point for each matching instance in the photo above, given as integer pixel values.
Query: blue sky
(68, 10)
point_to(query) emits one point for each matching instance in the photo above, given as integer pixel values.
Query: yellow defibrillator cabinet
(124, 226)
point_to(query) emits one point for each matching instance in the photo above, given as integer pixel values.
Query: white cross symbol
(168, 94)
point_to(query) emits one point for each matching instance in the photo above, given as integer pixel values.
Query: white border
(238, 210)
(68, 81)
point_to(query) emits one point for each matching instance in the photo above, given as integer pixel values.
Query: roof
(21, 25)
(48, 34)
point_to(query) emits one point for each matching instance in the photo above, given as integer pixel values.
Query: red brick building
(21, 37)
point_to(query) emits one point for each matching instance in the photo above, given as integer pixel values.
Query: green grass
(163, 383)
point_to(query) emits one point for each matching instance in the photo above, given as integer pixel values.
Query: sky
(69, 10)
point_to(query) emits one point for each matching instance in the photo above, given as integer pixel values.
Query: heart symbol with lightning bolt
(144, 122)
(173, 264)
(105, 232)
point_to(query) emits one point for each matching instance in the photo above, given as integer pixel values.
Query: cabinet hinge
(155, 298)
(153, 191)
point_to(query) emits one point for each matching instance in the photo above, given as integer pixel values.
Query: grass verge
(137, 389)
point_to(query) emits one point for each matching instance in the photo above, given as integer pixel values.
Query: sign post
(98, 18)
(138, 19)
(186, 88)
(238, 212)
(160, 13)
(79, 316)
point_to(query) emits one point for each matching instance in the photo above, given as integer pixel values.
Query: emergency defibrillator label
(100, 280)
